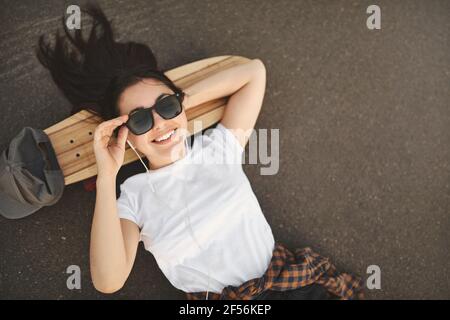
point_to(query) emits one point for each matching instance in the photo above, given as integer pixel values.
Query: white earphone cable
(185, 204)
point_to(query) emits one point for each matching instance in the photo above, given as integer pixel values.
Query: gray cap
(30, 176)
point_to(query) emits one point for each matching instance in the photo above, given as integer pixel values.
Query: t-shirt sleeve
(225, 140)
(126, 208)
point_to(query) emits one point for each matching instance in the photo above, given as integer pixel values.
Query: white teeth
(166, 136)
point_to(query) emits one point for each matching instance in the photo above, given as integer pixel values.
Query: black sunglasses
(168, 106)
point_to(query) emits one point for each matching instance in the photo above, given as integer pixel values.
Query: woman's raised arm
(114, 241)
(245, 84)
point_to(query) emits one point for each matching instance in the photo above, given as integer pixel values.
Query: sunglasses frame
(178, 95)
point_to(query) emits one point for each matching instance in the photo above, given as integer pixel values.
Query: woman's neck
(155, 164)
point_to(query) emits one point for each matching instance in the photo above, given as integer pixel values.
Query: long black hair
(93, 73)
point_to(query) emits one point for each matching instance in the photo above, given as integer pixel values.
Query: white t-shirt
(228, 240)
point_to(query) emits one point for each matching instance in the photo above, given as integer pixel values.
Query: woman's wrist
(221, 84)
(105, 179)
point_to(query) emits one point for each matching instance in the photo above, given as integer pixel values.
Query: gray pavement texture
(364, 125)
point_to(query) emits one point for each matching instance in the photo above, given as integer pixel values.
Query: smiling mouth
(165, 138)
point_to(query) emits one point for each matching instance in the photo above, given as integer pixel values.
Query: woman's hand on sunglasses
(109, 151)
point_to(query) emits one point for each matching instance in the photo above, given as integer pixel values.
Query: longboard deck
(72, 138)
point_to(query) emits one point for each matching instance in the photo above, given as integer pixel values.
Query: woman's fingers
(113, 122)
(106, 128)
(122, 136)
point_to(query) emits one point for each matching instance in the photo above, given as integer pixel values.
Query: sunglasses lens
(140, 121)
(169, 107)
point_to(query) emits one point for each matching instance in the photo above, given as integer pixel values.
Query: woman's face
(144, 94)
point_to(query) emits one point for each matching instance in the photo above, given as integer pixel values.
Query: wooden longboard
(72, 137)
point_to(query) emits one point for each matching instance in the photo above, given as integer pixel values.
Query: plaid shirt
(288, 271)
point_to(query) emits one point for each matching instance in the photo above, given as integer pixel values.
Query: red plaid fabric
(288, 271)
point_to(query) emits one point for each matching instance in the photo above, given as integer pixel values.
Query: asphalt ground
(364, 131)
